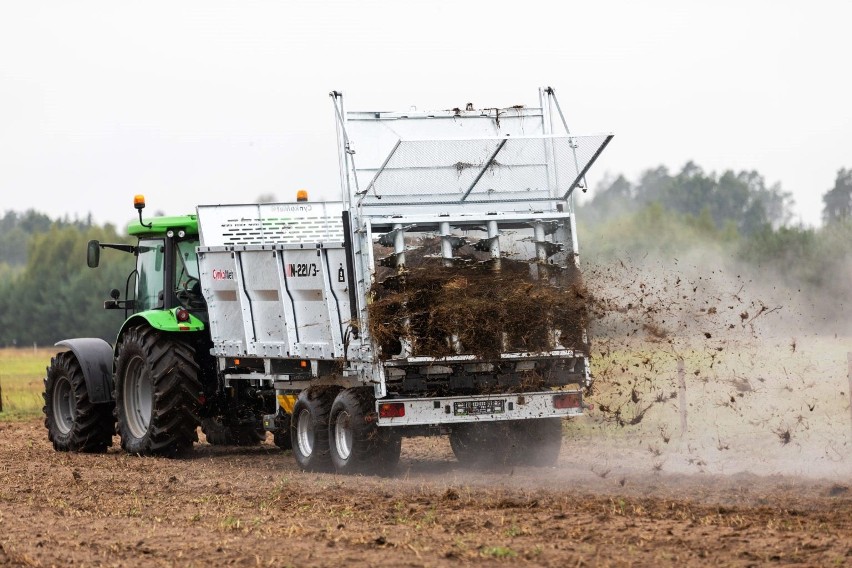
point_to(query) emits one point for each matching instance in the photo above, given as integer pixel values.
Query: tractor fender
(163, 320)
(95, 358)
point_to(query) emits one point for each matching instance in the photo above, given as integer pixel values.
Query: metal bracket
(550, 227)
(550, 248)
(455, 242)
(388, 261)
(387, 239)
(484, 245)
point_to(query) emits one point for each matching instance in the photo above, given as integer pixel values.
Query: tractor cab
(166, 272)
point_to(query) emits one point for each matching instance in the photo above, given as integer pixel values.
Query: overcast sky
(221, 102)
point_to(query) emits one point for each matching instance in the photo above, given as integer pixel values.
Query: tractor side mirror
(112, 304)
(93, 254)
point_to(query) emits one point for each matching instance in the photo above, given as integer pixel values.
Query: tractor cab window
(149, 282)
(187, 263)
(187, 285)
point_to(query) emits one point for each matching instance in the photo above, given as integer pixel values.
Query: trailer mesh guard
(481, 170)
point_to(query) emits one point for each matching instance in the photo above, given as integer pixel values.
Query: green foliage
(7, 271)
(654, 229)
(791, 251)
(837, 202)
(651, 229)
(498, 552)
(732, 219)
(831, 265)
(16, 229)
(55, 295)
(741, 200)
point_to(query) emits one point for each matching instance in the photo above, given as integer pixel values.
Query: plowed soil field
(609, 502)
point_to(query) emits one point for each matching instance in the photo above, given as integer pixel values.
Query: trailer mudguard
(95, 358)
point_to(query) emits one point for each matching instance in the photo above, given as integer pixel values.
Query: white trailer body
(274, 279)
(288, 285)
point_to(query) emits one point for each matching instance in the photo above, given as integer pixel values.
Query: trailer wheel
(156, 393)
(481, 444)
(356, 442)
(73, 422)
(309, 427)
(533, 442)
(536, 442)
(219, 433)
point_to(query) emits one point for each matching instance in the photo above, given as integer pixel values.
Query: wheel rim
(343, 435)
(138, 397)
(304, 433)
(64, 405)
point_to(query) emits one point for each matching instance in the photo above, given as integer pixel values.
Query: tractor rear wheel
(73, 422)
(157, 393)
(309, 428)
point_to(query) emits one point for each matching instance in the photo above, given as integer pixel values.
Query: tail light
(567, 400)
(392, 410)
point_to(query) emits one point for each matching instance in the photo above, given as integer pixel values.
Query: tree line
(47, 293)
(732, 218)
(736, 200)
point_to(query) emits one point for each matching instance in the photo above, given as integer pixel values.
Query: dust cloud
(703, 365)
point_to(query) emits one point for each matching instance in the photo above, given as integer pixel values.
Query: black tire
(481, 444)
(309, 428)
(281, 434)
(219, 433)
(356, 443)
(157, 392)
(74, 424)
(536, 442)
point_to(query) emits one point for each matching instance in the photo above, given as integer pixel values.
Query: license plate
(478, 407)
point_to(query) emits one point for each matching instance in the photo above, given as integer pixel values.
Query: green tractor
(159, 383)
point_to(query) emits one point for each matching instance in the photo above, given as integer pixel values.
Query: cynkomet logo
(220, 274)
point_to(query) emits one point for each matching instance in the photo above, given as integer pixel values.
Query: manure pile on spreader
(477, 306)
